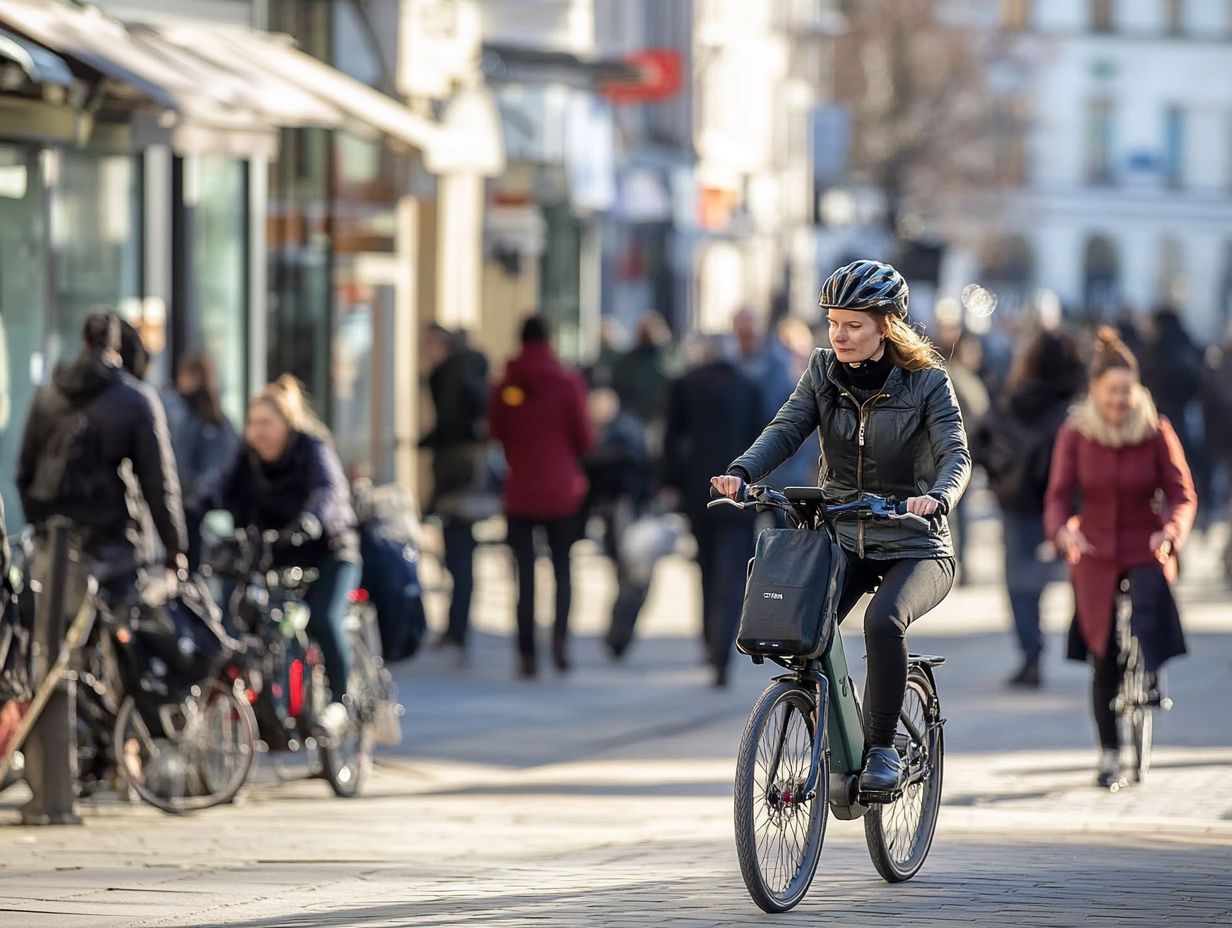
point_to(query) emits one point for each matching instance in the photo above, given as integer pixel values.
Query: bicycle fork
(791, 795)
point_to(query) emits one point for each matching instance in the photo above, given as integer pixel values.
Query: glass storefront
(23, 297)
(215, 191)
(95, 231)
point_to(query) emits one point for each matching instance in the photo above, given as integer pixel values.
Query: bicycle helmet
(866, 286)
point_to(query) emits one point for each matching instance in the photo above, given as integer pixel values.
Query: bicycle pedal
(879, 796)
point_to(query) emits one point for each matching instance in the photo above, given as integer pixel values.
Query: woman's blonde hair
(908, 349)
(287, 397)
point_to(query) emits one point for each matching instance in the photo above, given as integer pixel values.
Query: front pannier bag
(791, 598)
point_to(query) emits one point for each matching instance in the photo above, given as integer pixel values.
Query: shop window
(1100, 128)
(1008, 270)
(1174, 146)
(1101, 276)
(1174, 17)
(1102, 14)
(215, 192)
(1171, 282)
(96, 235)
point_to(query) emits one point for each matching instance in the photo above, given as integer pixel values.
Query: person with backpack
(90, 420)
(1014, 446)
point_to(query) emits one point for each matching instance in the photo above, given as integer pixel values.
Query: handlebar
(868, 506)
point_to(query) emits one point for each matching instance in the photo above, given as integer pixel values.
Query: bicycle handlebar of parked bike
(867, 506)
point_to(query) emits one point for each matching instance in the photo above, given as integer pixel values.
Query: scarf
(1141, 423)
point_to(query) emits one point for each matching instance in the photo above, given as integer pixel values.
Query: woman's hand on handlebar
(924, 506)
(728, 485)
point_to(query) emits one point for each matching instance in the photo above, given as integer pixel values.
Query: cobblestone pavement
(604, 799)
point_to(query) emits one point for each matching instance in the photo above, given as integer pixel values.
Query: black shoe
(616, 648)
(883, 771)
(1028, 677)
(527, 667)
(560, 656)
(721, 678)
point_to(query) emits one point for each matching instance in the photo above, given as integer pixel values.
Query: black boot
(1028, 676)
(883, 771)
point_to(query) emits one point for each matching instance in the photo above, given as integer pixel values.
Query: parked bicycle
(282, 670)
(803, 745)
(177, 748)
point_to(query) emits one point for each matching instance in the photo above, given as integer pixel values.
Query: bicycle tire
(346, 768)
(807, 841)
(1139, 719)
(888, 826)
(190, 758)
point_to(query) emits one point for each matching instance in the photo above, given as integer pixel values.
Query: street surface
(604, 799)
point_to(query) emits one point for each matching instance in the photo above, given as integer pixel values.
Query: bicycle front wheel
(779, 833)
(900, 833)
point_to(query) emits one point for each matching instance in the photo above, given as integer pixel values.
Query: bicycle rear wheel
(187, 756)
(900, 833)
(779, 835)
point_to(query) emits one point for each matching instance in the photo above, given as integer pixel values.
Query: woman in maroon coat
(1118, 455)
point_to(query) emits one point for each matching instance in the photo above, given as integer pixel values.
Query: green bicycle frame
(844, 732)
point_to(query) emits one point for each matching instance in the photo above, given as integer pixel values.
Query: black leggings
(907, 589)
(561, 533)
(1104, 686)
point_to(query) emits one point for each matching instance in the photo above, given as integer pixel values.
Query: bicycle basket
(791, 598)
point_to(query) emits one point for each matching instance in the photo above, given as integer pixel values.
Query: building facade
(1126, 196)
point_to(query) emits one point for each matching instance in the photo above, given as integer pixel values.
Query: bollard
(51, 748)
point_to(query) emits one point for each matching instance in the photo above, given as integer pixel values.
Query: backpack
(68, 470)
(391, 577)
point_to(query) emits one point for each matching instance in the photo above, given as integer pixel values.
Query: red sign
(661, 77)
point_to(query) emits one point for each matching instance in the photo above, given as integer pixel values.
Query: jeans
(724, 546)
(908, 589)
(561, 534)
(460, 547)
(327, 603)
(631, 591)
(1026, 577)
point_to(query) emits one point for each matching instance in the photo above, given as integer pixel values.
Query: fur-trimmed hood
(1141, 424)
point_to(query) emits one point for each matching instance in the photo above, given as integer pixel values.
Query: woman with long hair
(1119, 456)
(889, 425)
(288, 479)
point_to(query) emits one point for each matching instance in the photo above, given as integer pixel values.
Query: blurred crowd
(622, 452)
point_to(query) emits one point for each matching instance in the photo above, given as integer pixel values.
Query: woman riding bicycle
(1118, 454)
(889, 424)
(288, 479)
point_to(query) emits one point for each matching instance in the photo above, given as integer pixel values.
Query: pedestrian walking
(715, 412)
(889, 425)
(1117, 453)
(1216, 414)
(1171, 364)
(618, 474)
(463, 490)
(1014, 446)
(538, 414)
(963, 358)
(205, 443)
(288, 479)
(642, 375)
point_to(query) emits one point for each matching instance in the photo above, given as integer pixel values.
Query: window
(1171, 282)
(1015, 14)
(1174, 17)
(1099, 139)
(1174, 146)
(1007, 268)
(1101, 288)
(1012, 118)
(1101, 15)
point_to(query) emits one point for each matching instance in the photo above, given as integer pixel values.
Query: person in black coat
(287, 478)
(1014, 446)
(91, 419)
(458, 382)
(714, 414)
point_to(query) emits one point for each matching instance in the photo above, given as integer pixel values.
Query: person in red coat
(538, 414)
(1118, 455)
